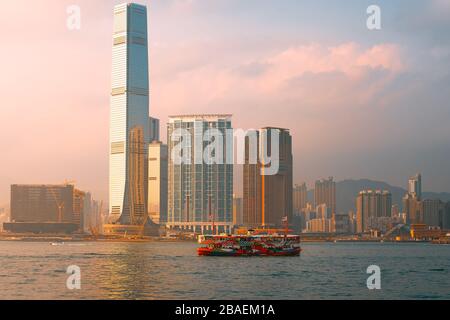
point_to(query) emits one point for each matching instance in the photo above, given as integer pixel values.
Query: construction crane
(59, 205)
(69, 182)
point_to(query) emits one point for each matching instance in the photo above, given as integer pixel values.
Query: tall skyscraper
(325, 193)
(200, 196)
(412, 208)
(415, 186)
(412, 201)
(129, 119)
(252, 201)
(268, 198)
(372, 207)
(157, 182)
(300, 196)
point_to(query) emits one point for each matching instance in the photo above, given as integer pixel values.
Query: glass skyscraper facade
(268, 198)
(200, 196)
(129, 117)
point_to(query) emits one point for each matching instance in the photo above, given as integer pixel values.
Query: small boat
(249, 245)
(57, 243)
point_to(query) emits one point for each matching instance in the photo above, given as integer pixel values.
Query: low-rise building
(40, 208)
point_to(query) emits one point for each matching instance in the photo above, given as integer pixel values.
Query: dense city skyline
(225, 150)
(394, 77)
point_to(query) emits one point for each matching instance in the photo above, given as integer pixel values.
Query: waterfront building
(421, 231)
(129, 117)
(352, 222)
(412, 208)
(34, 207)
(200, 196)
(300, 197)
(157, 182)
(43, 203)
(429, 212)
(307, 214)
(92, 216)
(268, 198)
(372, 207)
(78, 207)
(319, 226)
(325, 193)
(323, 212)
(432, 212)
(446, 219)
(88, 204)
(342, 223)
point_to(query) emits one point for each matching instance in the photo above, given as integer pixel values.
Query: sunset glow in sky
(359, 103)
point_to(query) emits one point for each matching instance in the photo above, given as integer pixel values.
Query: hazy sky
(359, 103)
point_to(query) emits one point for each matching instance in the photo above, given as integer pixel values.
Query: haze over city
(359, 103)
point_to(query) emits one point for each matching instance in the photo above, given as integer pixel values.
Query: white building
(157, 182)
(200, 195)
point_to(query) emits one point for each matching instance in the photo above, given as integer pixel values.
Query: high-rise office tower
(200, 196)
(415, 186)
(157, 182)
(300, 196)
(325, 193)
(371, 208)
(129, 118)
(412, 200)
(268, 198)
(252, 183)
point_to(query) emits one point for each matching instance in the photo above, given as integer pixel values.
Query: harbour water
(163, 270)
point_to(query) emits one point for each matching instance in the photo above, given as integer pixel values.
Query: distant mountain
(347, 190)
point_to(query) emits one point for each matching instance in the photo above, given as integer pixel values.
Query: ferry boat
(249, 245)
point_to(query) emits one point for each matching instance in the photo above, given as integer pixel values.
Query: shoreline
(70, 239)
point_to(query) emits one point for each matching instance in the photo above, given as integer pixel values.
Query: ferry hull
(217, 252)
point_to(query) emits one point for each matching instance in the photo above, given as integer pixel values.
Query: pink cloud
(385, 56)
(206, 85)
